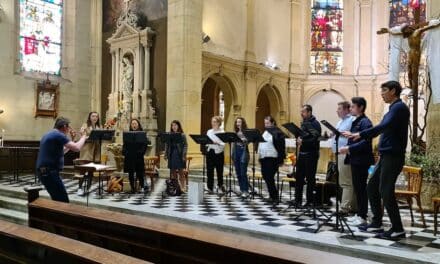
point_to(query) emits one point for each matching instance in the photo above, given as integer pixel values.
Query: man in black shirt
(308, 156)
(392, 147)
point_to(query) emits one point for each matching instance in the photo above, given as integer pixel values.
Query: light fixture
(205, 38)
(271, 65)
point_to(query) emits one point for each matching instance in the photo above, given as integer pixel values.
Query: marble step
(10, 192)
(14, 216)
(11, 203)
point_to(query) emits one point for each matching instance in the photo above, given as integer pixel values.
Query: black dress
(176, 162)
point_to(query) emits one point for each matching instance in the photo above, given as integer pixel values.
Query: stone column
(184, 66)
(365, 41)
(96, 54)
(300, 36)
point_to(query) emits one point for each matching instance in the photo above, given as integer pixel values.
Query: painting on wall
(46, 103)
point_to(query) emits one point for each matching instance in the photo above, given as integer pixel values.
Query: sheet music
(98, 167)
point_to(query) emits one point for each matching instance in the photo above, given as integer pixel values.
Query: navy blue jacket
(361, 151)
(394, 130)
(310, 143)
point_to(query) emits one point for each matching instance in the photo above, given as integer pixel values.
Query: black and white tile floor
(255, 213)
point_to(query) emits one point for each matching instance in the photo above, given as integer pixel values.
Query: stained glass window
(40, 35)
(402, 11)
(326, 37)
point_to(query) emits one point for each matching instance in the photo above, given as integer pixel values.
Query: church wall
(18, 93)
(225, 23)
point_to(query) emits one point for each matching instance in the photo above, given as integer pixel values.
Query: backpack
(332, 171)
(173, 187)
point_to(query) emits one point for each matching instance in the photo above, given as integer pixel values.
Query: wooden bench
(21, 244)
(165, 241)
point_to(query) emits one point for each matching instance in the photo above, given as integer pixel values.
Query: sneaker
(359, 221)
(221, 190)
(392, 235)
(244, 195)
(353, 218)
(80, 192)
(376, 228)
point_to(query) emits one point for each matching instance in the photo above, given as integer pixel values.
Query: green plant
(429, 162)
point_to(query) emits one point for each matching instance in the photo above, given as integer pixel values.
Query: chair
(186, 170)
(151, 163)
(414, 186)
(436, 204)
(291, 160)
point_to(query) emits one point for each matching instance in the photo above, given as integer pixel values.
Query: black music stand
(296, 132)
(253, 136)
(202, 140)
(339, 217)
(229, 137)
(100, 135)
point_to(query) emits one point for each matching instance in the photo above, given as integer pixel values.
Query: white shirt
(218, 148)
(267, 149)
(343, 125)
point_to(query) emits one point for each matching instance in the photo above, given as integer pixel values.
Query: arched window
(326, 37)
(40, 35)
(402, 11)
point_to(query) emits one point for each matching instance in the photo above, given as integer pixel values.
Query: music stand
(135, 141)
(339, 217)
(202, 140)
(253, 136)
(229, 137)
(100, 135)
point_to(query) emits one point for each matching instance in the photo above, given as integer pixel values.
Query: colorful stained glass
(402, 11)
(40, 35)
(326, 36)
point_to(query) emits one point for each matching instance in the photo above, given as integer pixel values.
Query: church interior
(210, 80)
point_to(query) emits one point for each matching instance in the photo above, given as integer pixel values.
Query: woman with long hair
(134, 160)
(240, 156)
(90, 150)
(176, 155)
(271, 155)
(215, 158)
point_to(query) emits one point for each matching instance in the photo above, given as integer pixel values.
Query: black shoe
(392, 235)
(308, 205)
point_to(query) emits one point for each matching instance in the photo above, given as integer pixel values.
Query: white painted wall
(17, 94)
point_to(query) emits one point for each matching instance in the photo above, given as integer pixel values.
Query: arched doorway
(217, 99)
(324, 104)
(267, 104)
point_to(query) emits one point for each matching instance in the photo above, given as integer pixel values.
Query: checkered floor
(233, 209)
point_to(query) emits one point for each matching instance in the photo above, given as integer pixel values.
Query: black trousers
(382, 185)
(216, 161)
(359, 175)
(269, 166)
(140, 174)
(306, 170)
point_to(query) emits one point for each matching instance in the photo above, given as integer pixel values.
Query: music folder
(331, 128)
(135, 137)
(295, 130)
(101, 134)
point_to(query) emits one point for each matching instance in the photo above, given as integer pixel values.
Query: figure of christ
(414, 35)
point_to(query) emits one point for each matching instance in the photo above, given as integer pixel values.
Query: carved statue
(414, 35)
(127, 79)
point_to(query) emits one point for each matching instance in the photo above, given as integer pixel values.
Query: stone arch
(269, 102)
(211, 88)
(324, 104)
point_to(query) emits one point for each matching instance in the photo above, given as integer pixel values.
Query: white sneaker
(353, 218)
(359, 221)
(244, 195)
(80, 192)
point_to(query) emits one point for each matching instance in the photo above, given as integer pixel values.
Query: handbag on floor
(173, 187)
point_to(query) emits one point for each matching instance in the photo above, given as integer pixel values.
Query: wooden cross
(414, 35)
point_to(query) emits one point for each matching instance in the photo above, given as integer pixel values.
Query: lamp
(205, 38)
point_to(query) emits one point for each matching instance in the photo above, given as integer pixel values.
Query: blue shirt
(51, 152)
(394, 130)
(343, 125)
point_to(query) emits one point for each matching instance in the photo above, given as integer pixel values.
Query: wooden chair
(151, 163)
(436, 204)
(291, 158)
(414, 186)
(186, 170)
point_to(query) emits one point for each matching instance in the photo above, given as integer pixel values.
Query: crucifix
(127, 5)
(414, 35)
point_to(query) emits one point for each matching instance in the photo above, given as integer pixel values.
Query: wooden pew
(165, 241)
(21, 244)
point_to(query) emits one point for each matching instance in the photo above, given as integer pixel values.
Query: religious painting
(326, 36)
(403, 11)
(46, 99)
(40, 35)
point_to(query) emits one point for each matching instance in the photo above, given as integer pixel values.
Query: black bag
(332, 171)
(173, 187)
